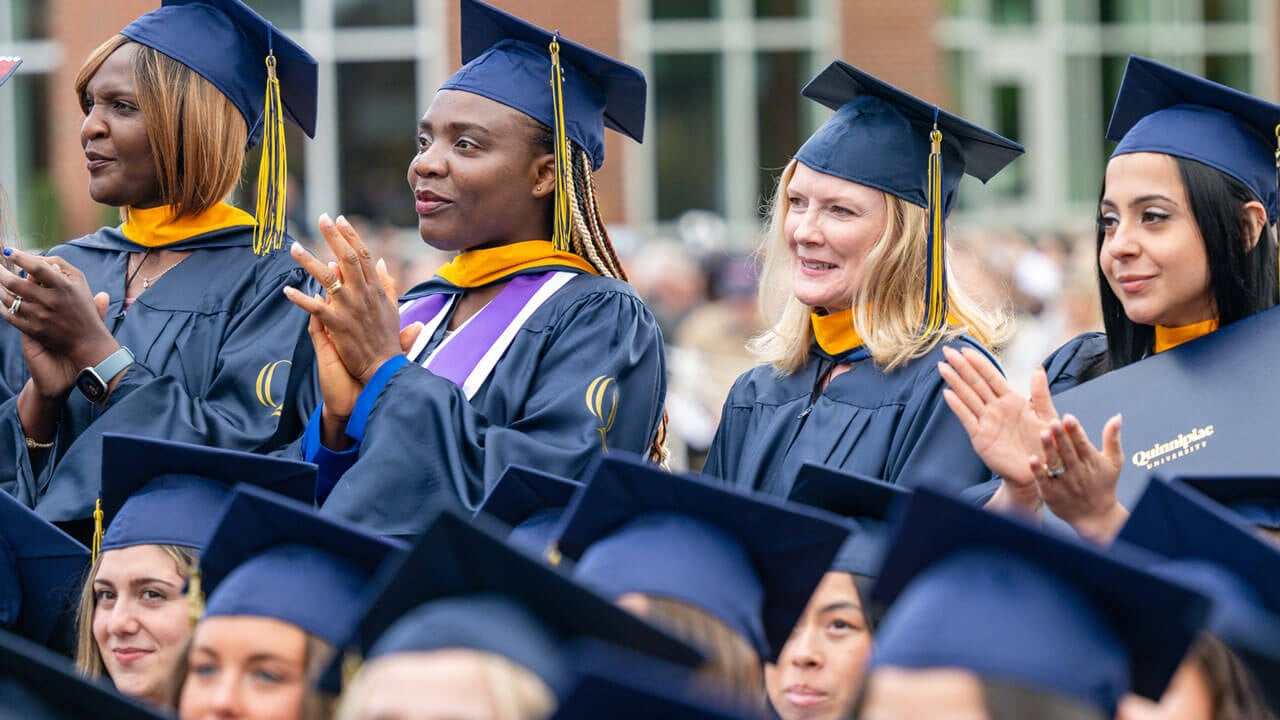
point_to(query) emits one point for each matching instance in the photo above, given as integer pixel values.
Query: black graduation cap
(276, 558)
(749, 559)
(530, 502)
(41, 569)
(507, 60)
(863, 501)
(1255, 498)
(8, 66)
(971, 589)
(1162, 109)
(171, 493)
(36, 683)
(461, 586)
(1205, 547)
(227, 43)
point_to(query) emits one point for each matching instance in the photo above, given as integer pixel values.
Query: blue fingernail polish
(8, 252)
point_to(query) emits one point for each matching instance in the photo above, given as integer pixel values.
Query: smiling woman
(860, 303)
(529, 347)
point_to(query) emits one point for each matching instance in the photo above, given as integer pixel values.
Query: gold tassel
(564, 173)
(96, 550)
(1277, 177)
(195, 596)
(552, 554)
(268, 235)
(935, 313)
(351, 663)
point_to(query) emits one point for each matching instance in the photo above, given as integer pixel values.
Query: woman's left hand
(54, 306)
(360, 316)
(1078, 483)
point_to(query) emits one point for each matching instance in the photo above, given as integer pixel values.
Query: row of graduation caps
(962, 587)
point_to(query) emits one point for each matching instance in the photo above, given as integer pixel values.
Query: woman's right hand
(1003, 426)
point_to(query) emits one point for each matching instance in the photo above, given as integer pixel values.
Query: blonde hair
(517, 693)
(888, 303)
(197, 135)
(88, 656)
(732, 667)
(316, 704)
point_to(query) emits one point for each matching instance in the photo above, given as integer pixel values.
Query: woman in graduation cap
(283, 587)
(859, 297)
(822, 664)
(169, 325)
(528, 347)
(1186, 244)
(726, 569)
(467, 627)
(159, 503)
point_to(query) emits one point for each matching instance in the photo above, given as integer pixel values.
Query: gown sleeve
(230, 411)
(593, 379)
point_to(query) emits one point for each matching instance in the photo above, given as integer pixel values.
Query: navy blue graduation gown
(889, 425)
(422, 436)
(1078, 360)
(213, 341)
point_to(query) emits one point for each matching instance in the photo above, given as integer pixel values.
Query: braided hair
(589, 238)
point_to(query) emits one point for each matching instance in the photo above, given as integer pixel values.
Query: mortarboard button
(751, 560)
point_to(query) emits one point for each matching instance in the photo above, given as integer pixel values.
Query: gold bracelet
(37, 445)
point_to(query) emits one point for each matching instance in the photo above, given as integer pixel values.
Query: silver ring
(17, 303)
(1056, 472)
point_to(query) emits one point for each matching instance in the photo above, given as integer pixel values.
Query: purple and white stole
(467, 356)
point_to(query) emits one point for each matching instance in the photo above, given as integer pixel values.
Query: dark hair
(1236, 693)
(1242, 273)
(1008, 701)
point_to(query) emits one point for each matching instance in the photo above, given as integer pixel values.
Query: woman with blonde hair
(159, 502)
(857, 292)
(167, 326)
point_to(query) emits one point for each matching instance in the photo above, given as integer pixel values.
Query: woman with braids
(522, 349)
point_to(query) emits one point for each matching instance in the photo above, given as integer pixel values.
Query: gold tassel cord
(268, 235)
(936, 300)
(560, 236)
(1277, 179)
(195, 596)
(96, 550)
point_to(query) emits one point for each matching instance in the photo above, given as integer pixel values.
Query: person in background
(859, 300)
(528, 347)
(1185, 245)
(159, 502)
(988, 617)
(467, 627)
(726, 569)
(169, 326)
(821, 667)
(283, 586)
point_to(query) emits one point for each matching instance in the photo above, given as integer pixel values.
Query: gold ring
(1056, 472)
(335, 287)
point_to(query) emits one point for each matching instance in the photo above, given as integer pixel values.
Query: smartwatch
(93, 382)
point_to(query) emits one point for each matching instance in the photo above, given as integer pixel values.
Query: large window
(724, 103)
(1047, 71)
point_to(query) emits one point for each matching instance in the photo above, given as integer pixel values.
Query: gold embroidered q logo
(263, 387)
(602, 402)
